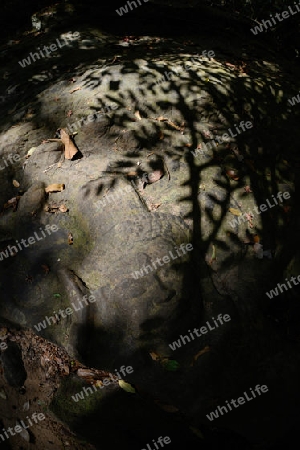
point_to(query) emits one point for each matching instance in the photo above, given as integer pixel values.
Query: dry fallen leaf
(154, 356)
(69, 113)
(126, 386)
(137, 115)
(70, 147)
(70, 239)
(55, 188)
(75, 89)
(30, 151)
(213, 257)
(234, 211)
(204, 350)
(16, 183)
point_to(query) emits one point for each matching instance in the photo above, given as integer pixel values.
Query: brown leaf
(16, 183)
(154, 356)
(75, 89)
(204, 350)
(70, 239)
(55, 188)
(70, 147)
(69, 113)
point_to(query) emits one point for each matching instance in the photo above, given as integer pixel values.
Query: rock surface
(130, 121)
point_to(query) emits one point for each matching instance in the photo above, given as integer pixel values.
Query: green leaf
(56, 295)
(170, 364)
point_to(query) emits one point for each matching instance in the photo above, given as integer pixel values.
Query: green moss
(68, 410)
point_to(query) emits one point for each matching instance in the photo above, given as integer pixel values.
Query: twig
(48, 168)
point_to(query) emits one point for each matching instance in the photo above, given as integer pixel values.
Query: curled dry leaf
(70, 147)
(63, 208)
(213, 257)
(30, 151)
(204, 350)
(55, 188)
(70, 239)
(75, 89)
(137, 115)
(154, 356)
